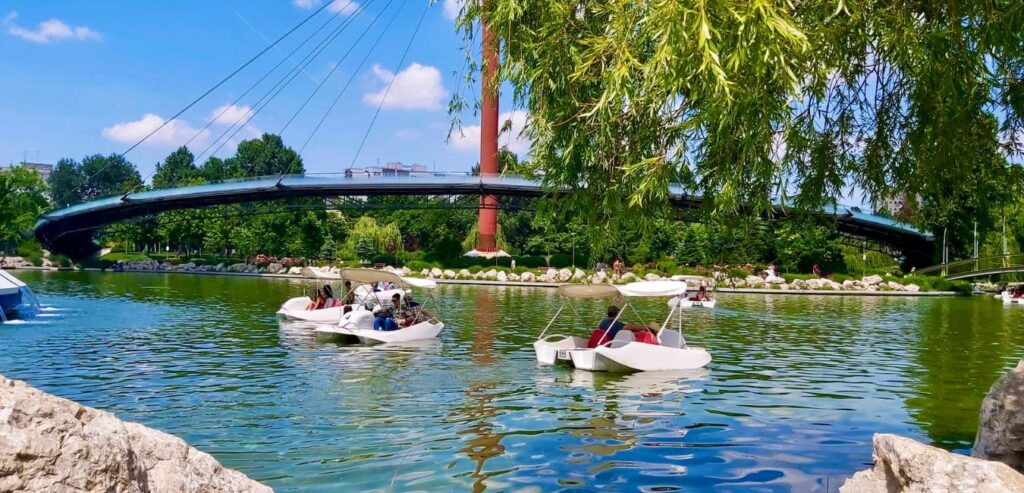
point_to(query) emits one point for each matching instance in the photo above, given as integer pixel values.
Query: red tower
(486, 241)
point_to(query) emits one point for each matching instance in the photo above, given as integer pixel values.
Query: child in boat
(315, 301)
(702, 295)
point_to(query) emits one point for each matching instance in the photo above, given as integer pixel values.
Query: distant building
(389, 169)
(43, 170)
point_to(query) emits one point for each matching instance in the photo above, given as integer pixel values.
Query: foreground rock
(905, 465)
(1001, 423)
(53, 444)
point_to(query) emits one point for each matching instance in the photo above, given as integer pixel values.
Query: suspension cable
(390, 84)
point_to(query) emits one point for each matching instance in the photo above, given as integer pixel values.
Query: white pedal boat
(623, 353)
(295, 309)
(686, 302)
(358, 322)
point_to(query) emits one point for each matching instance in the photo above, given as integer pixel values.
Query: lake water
(797, 387)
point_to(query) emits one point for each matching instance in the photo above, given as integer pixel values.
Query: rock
(53, 444)
(502, 276)
(14, 262)
(528, 277)
(774, 280)
(464, 274)
(872, 280)
(737, 283)
(1001, 423)
(513, 277)
(238, 268)
(436, 273)
(628, 277)
(650, 276)
(913, 288)
(800, 284)
(295, 271)
(275, 268)
(449, 274)
(754, 281)
(552, 273)
(578, 275)
(902, 464)
(564, 275)
(425, 273)
(895, 286)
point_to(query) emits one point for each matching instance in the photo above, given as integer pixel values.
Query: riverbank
(868, 286)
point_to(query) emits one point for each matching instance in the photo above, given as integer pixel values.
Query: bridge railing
(959, 268)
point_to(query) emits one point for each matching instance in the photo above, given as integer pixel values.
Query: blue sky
(93, 77)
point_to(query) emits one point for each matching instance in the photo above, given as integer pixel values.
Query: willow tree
(748, 100)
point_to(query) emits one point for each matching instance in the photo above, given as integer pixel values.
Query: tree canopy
(745, 101)
(22, 201)
(95, 177)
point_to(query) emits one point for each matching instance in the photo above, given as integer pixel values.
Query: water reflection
(797, 386)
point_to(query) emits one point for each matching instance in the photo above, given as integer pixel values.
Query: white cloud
(452, 8)
(513, 138)
(418, 87)
(408, 133)
(344, 6)
(49, 31)
(229, 114)
(175, 133)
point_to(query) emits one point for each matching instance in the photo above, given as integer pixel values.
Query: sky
(81, 78)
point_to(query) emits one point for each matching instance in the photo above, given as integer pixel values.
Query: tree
(364, 248)
(22, 201)
(176, 169)
(66, 182)
(265, 156)
(742, 102)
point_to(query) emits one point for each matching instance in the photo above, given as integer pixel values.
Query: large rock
(436, 273)
(579, 275)
(464, 274)
(628, 277)
(564, 275)
(650, 276)
(275, 268)
(528, 277)
(872, 280)
(53, 444)
(754, 281)
(905, 465)
(1001, 423)
(449, 274)
(913, 288)
(502, 276)
(895, 286)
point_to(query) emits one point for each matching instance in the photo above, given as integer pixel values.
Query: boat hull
(547, 349)
(637, 356)
(418, 332)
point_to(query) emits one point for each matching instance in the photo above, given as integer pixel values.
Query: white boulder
(913, 288)
(501, 276)
(53, 444)
(464, 274)
(895, 286)
(872, 280)
(564, 275)
(1001, 430)
(905, 465)
(628, 277)
(449, 274)
(528, 277)
(436, 273)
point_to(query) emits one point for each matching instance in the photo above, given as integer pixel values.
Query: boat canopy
(639, 289)
(9, 284)
(320, 274)
(588, 291)
(369, 276)
(653, 289)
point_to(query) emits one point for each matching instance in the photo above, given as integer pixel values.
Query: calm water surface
(797, 387)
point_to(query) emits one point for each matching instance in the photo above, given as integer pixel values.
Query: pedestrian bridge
(70, 231)
(977, 267)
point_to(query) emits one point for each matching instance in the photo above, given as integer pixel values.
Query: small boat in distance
(295, 309)
(664, 348)
(16, 299)
(1014, 293)
(413, 321)
(703, 298)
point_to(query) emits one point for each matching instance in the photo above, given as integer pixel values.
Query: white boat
(357, 322)
(692, 302)
(1007, 295)
(295, 308)
(623, 353)
(16, 299)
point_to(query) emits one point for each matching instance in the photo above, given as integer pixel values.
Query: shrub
(419, 265)
(384, 258)
(562, 260)
(533, 262)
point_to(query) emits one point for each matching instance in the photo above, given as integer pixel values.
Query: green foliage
(800, 244)
(364, 248)
(176, 169)
(328, 250)
(95, 177)
(22, 200)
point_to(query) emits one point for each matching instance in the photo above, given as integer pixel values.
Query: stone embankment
(905, 465)
(52, 444)
(867, 284)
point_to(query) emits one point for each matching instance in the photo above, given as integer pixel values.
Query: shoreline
(545, 285)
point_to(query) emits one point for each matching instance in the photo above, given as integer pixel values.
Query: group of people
(401, 313)
(610, 327)
(1017, 292)
(324, 298)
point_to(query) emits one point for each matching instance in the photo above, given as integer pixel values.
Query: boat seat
(670, 338)
(625, 336)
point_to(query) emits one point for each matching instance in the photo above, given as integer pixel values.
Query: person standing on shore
(617, 269)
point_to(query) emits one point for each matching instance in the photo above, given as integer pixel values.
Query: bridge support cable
(391, 83)
(352, 78)
(283, 83)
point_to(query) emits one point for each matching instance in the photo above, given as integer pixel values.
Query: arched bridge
(70, 231)
(977, 267)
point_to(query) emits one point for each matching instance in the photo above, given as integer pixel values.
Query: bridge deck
(70, 230)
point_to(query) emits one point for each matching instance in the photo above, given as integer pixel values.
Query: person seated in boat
(350, 294)
(610, 327)
(385, 320)
(315, 301)
(702, 295)
(329, 301)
